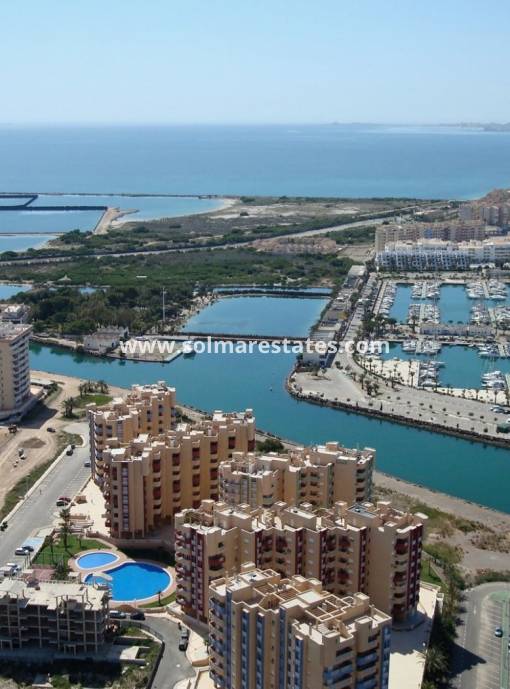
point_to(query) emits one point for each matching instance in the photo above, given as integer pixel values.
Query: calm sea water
(143, 207)
(233, 381)
(257, 316)
(7, 291)
(328, 160)
(22, 242)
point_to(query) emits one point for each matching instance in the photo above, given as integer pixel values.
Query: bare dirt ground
(480, 535)
(33, 436)
(360, 253)
(253, 214)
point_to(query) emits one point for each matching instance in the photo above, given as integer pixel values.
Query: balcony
(402, 547)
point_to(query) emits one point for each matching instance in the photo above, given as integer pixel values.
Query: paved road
(174, 666)
(217, 247)
(66, 478)
(481, 660)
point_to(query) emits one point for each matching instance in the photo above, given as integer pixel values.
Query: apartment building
(435, 254)
(320, 475)
(370, 548)
(497, 214)
(150, 478)
(15, 397)
(58, 616)
(266, 632)
(147, 409)
(456, 231)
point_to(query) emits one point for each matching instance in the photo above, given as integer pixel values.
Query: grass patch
(429, 576)
(97, 398)
(74, 545)
(444, 553)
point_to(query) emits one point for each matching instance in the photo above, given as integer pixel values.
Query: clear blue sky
(254, 61)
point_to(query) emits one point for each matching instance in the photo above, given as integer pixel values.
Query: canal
(468, 470)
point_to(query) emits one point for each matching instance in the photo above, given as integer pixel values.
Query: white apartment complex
(436, 254)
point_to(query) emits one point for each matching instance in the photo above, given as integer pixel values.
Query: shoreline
(226, 202)
(437, 499)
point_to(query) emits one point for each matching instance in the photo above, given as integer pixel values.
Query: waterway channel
(468, 470)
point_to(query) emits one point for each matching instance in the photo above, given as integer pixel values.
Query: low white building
(15, 313)
(105, 338)
(436, 254)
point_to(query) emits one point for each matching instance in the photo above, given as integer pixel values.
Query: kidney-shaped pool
(133, 580)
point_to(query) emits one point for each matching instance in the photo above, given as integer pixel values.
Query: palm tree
(65, 526)
(103, 386)
(68, 407)
(436, 663)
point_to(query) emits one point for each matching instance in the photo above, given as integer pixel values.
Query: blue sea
(309, 160)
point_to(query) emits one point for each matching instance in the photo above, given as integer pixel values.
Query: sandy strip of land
(109, 217)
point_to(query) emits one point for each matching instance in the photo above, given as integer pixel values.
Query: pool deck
(122, 559)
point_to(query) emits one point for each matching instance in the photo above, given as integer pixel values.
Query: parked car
(117, 615)
(184, 640)
(28, 548)
(50, 429)
(498, 632)
(21, 453)
(62, 503)
(69, 451)
(65, 498)
(87, 464)
(13, 566)
(137, 615)
(21, 551)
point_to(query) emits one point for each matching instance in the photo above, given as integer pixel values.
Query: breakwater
(396, 418)
(27, 201)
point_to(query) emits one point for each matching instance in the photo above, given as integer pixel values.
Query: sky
(254, 61)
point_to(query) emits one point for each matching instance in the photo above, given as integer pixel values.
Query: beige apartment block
(374, 549)
(457, 231)
(146, 409)
(266, 632)
(147, 480)
(59, 616)
(15, 397)
(320, 475)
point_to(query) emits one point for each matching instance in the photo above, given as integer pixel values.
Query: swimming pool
(133, 580)
(98, 558)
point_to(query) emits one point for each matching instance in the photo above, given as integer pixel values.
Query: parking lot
(494, 673)
(483, 659)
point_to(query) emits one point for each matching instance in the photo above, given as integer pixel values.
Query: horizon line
(331, 123)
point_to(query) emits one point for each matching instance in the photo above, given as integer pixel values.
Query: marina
(462, 366)
(453, 300)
